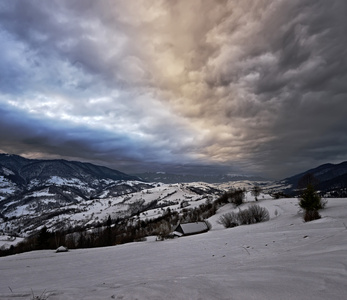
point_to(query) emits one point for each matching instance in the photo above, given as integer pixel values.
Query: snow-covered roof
(190, 228)
(62, 249)
(177, 233)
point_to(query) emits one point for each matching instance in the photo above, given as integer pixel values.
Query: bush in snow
(229, 220)
(259, 214)
(245, 217)
(256, 190)
(40, 297)
(234, 196)
(254, 214)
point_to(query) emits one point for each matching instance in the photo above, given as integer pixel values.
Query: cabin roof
(191, 228)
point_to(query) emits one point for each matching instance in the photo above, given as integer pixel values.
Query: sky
(240, 87)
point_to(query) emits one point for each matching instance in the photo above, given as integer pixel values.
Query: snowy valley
(283, 258)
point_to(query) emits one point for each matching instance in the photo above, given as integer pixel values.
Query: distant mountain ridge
(28, 169)
(186, 178)
(329, 176)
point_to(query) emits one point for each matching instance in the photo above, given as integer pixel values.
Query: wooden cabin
(190, 228)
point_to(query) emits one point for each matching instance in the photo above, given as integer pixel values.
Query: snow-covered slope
(149, 200)
(23, 181)
(283, 258)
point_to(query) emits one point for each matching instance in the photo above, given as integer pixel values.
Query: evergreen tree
(109, 221)
(108, 232)
(43, 238)
(310, 202)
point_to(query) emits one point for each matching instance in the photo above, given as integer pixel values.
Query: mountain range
(62, 193)
(328, 177)
(65, 194)
(24, 170)
(59, 182)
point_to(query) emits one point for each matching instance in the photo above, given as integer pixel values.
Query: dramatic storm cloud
(251, 86)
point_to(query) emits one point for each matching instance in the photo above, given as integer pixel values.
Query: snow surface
(283, 258)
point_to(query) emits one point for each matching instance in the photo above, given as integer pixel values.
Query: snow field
(283, 258)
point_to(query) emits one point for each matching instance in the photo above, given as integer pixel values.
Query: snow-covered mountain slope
(33, 191)
(61, 195)
(21, 178)
(128, 198)
(328, 178)
(283, 258)
(25, 170)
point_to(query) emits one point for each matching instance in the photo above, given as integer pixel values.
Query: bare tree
(256, 190)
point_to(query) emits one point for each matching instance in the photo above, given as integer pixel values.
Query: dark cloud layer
(246, 86)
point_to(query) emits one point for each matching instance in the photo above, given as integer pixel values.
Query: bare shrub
(259, 214)
(251, 215)
(244, 217)
(43, 296)
(234, 196)
(237, 197)
(256, 190)
(229, 220)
